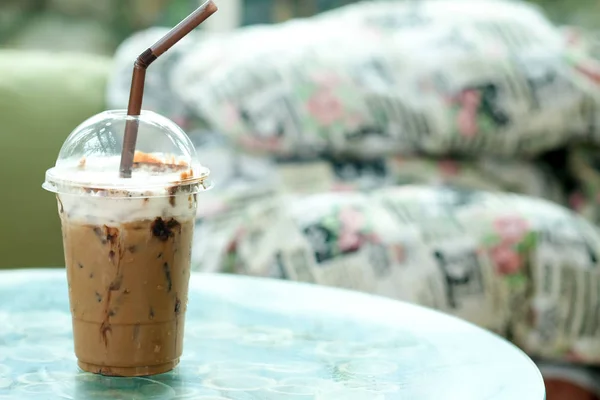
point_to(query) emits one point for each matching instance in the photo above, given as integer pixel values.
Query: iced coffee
(127, 221)
(127, 245)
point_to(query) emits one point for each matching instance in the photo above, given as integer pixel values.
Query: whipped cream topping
(90, 190)
(150, 177)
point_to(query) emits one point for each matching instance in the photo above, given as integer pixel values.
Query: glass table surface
(251, 339)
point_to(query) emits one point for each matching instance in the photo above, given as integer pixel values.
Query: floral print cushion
(522, 267)
(433, 77)
(532, 178)
(248, 185)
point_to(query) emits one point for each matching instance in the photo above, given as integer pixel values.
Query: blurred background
(99, 26)
(500, 99)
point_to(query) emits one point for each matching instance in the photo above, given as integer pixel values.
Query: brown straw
(139, 76)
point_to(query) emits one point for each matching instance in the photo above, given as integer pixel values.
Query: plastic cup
(127, 242)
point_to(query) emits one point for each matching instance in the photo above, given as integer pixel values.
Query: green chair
(43, 96)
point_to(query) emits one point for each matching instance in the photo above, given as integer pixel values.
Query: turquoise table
(251, 339)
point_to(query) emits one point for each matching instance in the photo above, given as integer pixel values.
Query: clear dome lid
(89, 159)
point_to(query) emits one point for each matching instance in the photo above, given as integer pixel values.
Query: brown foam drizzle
(157, 164)
(153, 164)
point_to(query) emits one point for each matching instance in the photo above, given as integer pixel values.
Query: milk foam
(103, 172)
(91, 191)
